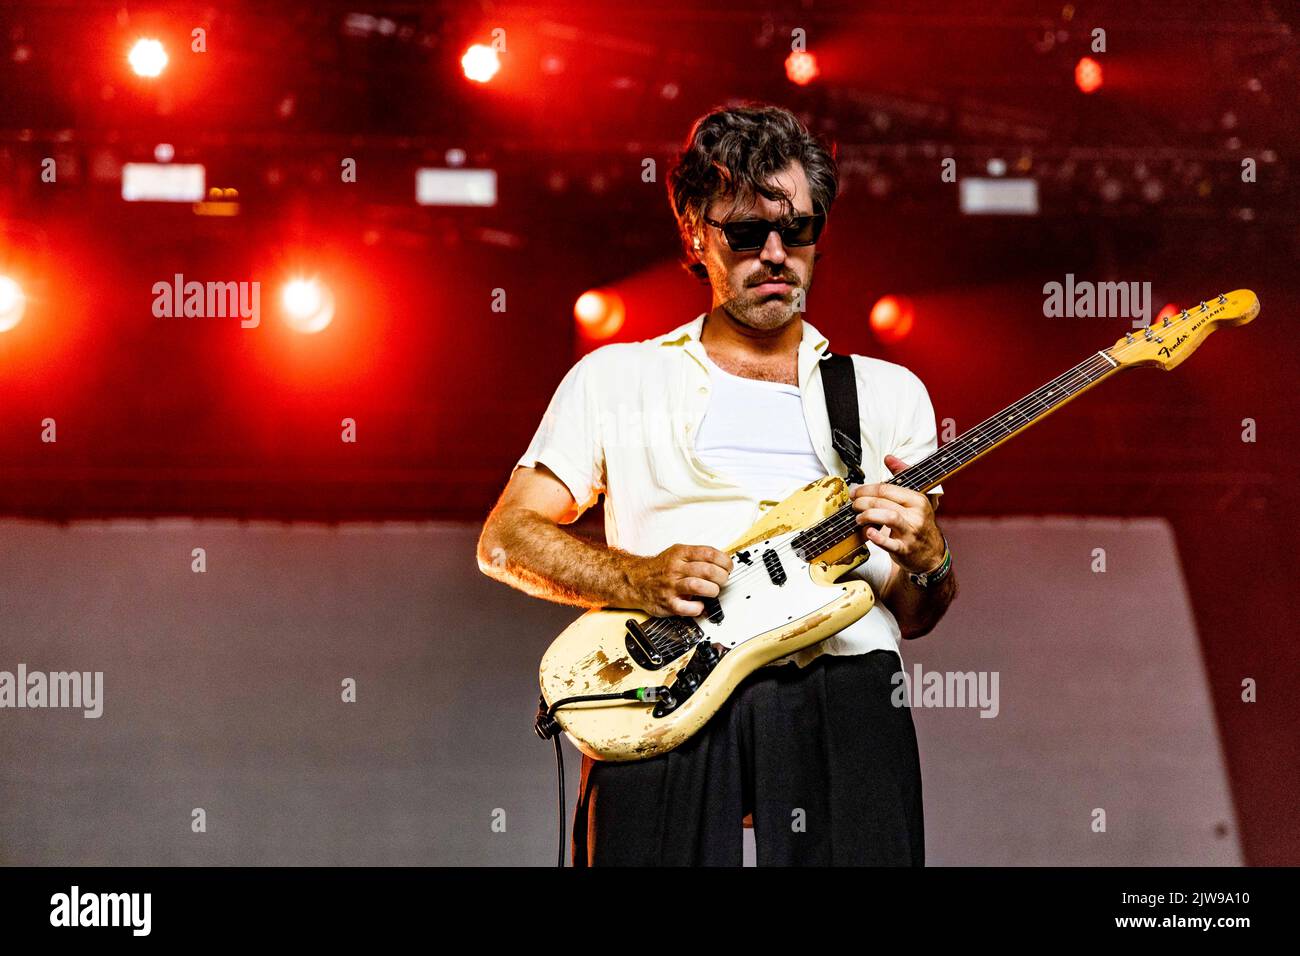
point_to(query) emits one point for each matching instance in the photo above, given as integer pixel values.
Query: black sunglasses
(748, 235)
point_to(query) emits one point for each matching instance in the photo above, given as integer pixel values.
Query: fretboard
(968, 446)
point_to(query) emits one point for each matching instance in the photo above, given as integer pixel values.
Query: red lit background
(1137, 161)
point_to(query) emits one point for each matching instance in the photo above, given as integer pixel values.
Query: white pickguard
(752, 605)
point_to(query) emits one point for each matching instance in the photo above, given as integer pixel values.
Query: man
(691, 436)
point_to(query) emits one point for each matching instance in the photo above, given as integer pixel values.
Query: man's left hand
(908, 530)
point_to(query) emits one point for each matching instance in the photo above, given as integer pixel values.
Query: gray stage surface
(223, 692)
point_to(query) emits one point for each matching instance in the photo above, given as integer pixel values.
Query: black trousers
(821, 757)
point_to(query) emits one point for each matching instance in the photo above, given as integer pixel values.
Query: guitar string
(825, 536)
(829, 529)
(844, 518)
(929, 465)
(935, 465)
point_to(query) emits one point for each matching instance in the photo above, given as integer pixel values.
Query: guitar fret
(970, 445)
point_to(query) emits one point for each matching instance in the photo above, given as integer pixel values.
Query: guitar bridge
(661, 640)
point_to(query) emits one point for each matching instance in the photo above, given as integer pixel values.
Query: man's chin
(765, 312)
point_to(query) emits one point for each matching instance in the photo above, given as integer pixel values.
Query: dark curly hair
(731, 153)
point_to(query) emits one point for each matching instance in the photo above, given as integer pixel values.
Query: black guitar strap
(841, 387)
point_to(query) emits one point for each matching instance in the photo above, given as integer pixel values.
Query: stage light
(1087, 75)
(892, 317)
(455, 187)
(163, 182)
(147, 57)
(600, 313)
(983, 197)
(480, 63)
(12, 303)
(801, 67)
(308, 305)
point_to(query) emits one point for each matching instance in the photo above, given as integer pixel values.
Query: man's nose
(774, 249)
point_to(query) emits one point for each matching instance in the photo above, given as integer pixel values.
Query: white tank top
(754, 434)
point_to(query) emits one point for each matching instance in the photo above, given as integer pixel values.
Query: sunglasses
(749, 235)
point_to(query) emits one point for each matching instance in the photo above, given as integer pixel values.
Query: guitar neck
(1012, 420)
(973, 444)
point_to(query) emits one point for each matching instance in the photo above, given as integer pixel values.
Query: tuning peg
(1129, 337)
(1222, 298)
(1204, 307)
(1167, 323)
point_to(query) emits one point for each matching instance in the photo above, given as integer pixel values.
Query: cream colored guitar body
(597, 654)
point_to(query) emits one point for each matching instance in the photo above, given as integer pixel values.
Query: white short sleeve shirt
(624, 421)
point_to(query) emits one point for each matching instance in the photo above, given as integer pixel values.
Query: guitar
(627, 686)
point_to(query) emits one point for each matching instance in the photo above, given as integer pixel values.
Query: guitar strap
(841, 387)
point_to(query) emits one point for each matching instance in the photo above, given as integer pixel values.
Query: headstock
(1168, 342)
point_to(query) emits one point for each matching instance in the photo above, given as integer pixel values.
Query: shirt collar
(812, 346)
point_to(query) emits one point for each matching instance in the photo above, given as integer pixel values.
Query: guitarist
(691, 436)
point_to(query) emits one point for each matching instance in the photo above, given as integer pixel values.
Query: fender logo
(1168, 349)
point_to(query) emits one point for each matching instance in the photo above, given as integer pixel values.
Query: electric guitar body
(659, 680)
(774, 603)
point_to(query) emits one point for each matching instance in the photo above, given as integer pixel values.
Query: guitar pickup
(775, 570)
(713, 609)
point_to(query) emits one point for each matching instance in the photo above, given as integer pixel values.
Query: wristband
(930, 578)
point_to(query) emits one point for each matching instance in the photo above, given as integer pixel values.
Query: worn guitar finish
(783, 594)
(774, 603)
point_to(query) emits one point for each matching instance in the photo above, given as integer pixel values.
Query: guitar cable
(548, 727)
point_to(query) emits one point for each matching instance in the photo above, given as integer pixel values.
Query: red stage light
(892, 317)
(600, 313)
(801, 67)
(1087, 75)
(308, 305)
(147, 57)
(480, 63)
(12, 303)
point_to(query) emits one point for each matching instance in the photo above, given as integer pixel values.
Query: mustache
(781, 278)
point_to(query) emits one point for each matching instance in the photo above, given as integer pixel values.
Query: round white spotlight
(480, 63)
(308, 305)
(12, 303)
(147, 57)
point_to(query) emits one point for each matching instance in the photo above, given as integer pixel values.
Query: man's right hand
(668, 583)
